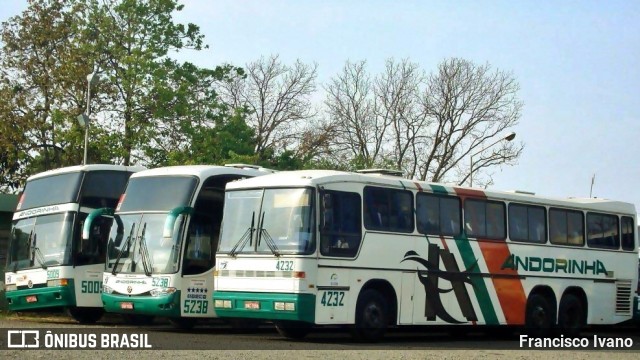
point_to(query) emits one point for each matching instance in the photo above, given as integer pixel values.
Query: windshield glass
(240, 211)
(286, 219)
(51, 190)
(158, 193)
(136, 235)
(43, 240)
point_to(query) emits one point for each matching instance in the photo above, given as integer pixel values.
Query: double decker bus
(49, 264)
(371, 251)
(161, 248)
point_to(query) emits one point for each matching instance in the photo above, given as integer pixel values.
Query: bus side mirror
(86, 229)
(172, 217)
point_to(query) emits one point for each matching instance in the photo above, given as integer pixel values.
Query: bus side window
(628, 234)
(201, 235)
(341, 232)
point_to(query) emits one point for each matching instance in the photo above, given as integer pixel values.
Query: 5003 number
(91, 287)
(332, 298)
(195, 306)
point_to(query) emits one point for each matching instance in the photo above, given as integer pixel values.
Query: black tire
(85, 315)
(539, 317)
(138, 320)
(294, 330)
(571, 315)
(371, 317)
(183, 323)
(242, 324)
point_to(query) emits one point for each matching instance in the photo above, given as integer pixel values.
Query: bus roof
(90, 167)
(203, 171)
(323, 177)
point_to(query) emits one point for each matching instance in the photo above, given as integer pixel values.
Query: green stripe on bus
(439, 189)
(479, 286)
(470, 263)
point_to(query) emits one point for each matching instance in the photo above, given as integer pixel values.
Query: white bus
(161, 248)
(48, 264)
(308, 248)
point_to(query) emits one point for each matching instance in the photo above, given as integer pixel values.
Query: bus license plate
(126, 305)
(253, 305)
(32, 299)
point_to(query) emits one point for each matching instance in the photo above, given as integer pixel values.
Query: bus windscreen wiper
(36, 254)
(246, 237)
(127, 244)
(267, 238)
(144, 252)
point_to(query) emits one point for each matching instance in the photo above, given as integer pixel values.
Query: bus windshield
(41, 241)
(158, 193)
(51, 190)
(136, 245)
(270, 220)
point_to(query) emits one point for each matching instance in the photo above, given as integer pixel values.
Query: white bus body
(371, 251)
(161, 249)
(48, 264)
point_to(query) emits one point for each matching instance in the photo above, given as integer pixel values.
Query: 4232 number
(332, 298)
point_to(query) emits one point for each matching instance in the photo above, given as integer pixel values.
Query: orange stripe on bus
(509, 289)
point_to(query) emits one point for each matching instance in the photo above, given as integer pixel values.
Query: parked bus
(49, 264)
(370, 251)
(161, 248)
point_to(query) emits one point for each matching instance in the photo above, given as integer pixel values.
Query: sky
(577, 63)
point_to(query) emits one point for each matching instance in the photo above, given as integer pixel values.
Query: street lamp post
(509, 137)
(84, 119)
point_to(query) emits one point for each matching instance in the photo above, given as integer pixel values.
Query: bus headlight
(284, 306)
(106, 289)
(222, 304)
(162, 291)
(11, 287)
(58, 282)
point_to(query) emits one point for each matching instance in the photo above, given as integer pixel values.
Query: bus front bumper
(163, 305)
(265, 306)
(40, 298)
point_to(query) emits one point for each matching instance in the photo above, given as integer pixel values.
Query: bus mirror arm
(172, 216)
(86, 229)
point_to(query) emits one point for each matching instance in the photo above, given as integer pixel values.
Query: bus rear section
(49, 265)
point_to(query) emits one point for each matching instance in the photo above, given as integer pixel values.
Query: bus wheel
(85, 315)
(293, 329)
(371, 317)
(571, 317)
(243, 324)
(183, 323)
(539, 316)
(136, 319)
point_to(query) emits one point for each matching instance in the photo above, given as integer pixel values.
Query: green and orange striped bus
(373, 250)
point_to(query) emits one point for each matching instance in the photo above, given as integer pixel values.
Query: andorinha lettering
(551, 265)
(566, 342)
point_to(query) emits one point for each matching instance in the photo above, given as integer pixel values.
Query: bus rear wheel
(539, 316)
(295, 330)
(571, 317)
(85, 315)
(371, 317)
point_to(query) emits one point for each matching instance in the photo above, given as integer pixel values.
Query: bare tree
(278, 98)
(471, 106)
(427, 126)
(350, 103)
